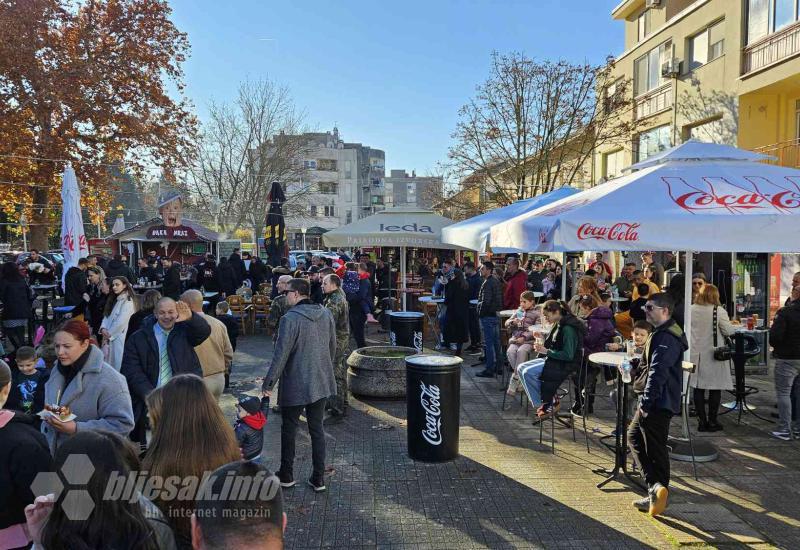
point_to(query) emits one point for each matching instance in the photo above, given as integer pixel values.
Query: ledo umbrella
(401, 227)
(73, 239)
(473, 233)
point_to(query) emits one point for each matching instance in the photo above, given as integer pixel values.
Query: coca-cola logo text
(621, 231)
(429, 398)
(701, 200)
(736, 197)
(417, 341)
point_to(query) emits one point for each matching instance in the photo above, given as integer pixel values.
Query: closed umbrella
(119, 224)
(275, 232)
(73, 240)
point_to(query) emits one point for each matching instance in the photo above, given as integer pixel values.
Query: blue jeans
(531, 374)
(491, 343)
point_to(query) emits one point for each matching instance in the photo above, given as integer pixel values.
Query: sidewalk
(508, 491)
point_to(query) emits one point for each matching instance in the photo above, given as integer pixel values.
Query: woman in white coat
(711, 374)
(121, 304)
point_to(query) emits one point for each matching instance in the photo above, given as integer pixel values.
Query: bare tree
(243, 148)
(533, 126)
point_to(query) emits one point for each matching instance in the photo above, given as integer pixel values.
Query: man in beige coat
(215, 353)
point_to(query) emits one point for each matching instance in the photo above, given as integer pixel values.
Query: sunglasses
(651, 307)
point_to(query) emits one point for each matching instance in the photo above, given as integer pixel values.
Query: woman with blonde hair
(120, 305)
(586, 286)
(710, 327)
(190, 437)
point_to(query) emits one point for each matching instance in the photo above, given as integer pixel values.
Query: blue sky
(392, 74)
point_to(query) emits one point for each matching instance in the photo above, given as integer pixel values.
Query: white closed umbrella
(73, 239)
(119, 224)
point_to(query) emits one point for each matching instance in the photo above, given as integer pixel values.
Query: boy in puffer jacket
(249, 427)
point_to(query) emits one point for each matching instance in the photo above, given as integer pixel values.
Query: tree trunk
(39, 228)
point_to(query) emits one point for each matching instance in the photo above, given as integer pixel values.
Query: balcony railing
(653, 102)
(786, 153)
(771, 49)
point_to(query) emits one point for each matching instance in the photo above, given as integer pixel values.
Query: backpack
(351, 284)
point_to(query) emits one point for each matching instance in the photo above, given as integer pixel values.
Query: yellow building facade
(726, 71)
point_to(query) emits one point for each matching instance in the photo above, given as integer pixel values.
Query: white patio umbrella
(473, 233)
(73, 240)
(693, 197)
(119, 224)
(401, 227)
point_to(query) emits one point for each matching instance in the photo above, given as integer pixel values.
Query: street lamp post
(23, 222)
(303, 230)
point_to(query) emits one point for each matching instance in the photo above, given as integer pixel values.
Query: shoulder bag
(721, 353)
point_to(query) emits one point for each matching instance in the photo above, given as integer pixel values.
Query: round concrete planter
(378, 371)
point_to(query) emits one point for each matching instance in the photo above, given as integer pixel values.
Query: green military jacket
(336, 302)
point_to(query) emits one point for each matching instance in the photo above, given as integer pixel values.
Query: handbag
(721, 353)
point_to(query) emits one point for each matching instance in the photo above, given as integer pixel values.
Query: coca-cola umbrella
(696, 196)
(275, 231)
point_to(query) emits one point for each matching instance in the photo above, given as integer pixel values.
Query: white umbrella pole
(403, 274)
(687, 299)
(564, 277)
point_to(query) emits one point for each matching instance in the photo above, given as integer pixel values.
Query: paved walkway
(508, 491)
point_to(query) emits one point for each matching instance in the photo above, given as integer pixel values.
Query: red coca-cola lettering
(621, 231)
(756, 194)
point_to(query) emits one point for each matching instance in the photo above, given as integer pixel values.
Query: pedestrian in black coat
(116, 267)
(75, 286)
(23, 455)
(258, 272)
(208, 276)
(17, 298)
(236, 262)
(456, 298)
(227, 277)
(172, 279)
(140, 362)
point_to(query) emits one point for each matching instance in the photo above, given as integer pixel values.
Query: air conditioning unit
(654, 3)
(671, 68)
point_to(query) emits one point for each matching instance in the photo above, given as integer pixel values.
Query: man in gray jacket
(303, 362)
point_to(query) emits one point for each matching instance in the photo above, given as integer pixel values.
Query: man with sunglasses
(658, 384)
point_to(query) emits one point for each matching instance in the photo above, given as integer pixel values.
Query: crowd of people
(134, 381)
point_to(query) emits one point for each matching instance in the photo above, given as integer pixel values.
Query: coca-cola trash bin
(405, 329)
(433, 400)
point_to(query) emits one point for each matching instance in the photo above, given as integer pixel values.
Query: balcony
(653, 102)
(771, 49)
(786, 153)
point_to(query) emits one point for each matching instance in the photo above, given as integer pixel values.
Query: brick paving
(506, 490)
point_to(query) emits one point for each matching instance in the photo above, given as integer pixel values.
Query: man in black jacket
(116, 267)
(475, 282)
(784, 336)
(236, 262)
(47, 272)
(172, 279)
(490, 302)
(161, 349)
(658, 384)
(75, 284)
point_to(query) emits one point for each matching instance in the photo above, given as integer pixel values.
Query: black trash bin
(405, 329)
(433, 400)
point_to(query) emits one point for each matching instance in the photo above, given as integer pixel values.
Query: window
(326, 164)
(312, 210)
(766, 16)
(377, 199)
(647, 69)
(348, 169)
(612, 164)
(653, 141)
(707, 45)
(328, 187)
(784, 13)
(613, 96)
(349, 216)
(330, 211)
(310, 164)
(710, 131)
(643, 23)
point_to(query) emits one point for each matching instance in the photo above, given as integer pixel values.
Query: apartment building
(726, 71)
(413, 190)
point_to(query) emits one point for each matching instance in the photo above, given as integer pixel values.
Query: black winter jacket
(75, 285)
(17, 299)
(172, 282)
(23, 454)
(118, 268)
(660, 377)
(227, 279)
(784, 336)
(140, 364)
(490, 297)
(250, 439)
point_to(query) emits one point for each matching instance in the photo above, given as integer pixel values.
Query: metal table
(433, 322)
(43, 294)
